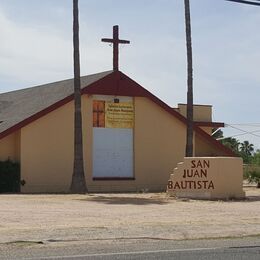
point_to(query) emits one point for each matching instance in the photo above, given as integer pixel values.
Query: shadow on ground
(253, 198)
(127, 200)
(252, 194)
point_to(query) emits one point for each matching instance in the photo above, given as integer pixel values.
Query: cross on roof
(116, 41)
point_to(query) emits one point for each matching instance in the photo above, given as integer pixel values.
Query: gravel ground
(120, 216)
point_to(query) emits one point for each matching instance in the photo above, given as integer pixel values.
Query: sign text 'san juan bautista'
(196, 177)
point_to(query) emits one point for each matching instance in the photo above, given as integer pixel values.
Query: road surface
(238, 248)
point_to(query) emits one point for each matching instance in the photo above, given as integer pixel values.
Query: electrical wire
(246, 132)
(245, 2)
(232, 136)
(246, 124)
(222, 138)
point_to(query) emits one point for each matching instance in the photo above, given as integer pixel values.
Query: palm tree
(231, 143)
(189, 135)
(247, 148)
(78, 182)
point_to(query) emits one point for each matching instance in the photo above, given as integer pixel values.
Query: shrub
(252, 174)
(9, 176)
(254, 177)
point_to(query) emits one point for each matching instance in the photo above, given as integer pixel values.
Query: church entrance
(113, 122)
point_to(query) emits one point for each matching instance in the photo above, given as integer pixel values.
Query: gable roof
(21, 107)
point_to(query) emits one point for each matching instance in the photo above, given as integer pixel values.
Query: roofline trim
(209, 124)
(143, 93)
(45, 111)
(35, 116)
(183, 119)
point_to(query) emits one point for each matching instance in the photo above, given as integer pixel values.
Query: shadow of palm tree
(127, 200)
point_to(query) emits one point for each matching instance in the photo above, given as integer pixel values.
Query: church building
(132, 140)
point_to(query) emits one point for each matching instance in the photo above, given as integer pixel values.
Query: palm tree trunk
(189, 137)
(78, 182)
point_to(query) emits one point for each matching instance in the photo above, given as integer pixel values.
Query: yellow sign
(119, 115)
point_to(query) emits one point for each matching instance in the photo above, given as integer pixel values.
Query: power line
(245, 2)
(222, 138)
(244, 131)
(246, 124)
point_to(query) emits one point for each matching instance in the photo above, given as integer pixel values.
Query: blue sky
(36, 48)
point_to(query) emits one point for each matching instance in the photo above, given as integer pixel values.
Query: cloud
(29, 54)
(36, 54)
(225, 47)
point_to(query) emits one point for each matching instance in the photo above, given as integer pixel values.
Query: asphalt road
(242, 248)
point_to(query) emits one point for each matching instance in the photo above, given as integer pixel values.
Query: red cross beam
(116, 41)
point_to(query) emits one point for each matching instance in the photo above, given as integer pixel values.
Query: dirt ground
(121, 216)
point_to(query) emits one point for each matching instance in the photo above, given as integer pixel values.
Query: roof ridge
(55, 82)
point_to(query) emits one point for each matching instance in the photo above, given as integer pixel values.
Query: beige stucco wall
(10, 147)
(202, 113)
(208, 178)
(159, 143)
(47, 149)
(207, 129)
(158, 146)
(203, 148)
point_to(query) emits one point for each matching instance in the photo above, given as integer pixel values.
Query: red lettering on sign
(206, 163)
(177, 185)
(211, 185)
(170, 185)
(193, 162)
(199, 164)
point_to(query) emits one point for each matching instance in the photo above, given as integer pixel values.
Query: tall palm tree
(231, 143)
(78, 182)
(247, 148)
(189, 135)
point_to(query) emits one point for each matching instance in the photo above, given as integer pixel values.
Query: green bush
(254, 177)
(252, 174)
(9, 176)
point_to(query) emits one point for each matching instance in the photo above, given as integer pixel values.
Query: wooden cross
(116, 41)
(98, 113)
